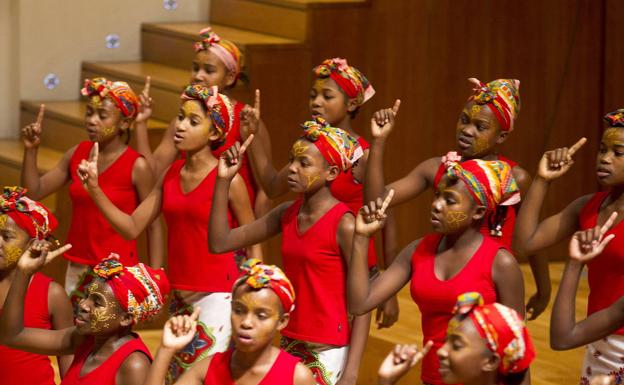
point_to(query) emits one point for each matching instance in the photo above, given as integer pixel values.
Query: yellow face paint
(13, 253)
(475, 111)
(480, 145)
(3, 221)
(108, 131)
(456, 219)
(193, 107)
(100, 316)
(299, 148)
(251, 304)
(311, 180)
(95, 101)
(613, 137)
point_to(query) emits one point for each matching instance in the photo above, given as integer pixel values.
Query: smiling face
(329, 102)
(453, 208)
(100, 313)
(13, 242)
(104, 120)
(478, 131)
(610, 159)
(256, 316)
(308, 170)
(194, 128)
(209, 71)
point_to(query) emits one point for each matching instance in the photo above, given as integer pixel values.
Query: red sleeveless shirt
(509, 222)
(90, 234)
(19, 367)
(106, 373)
(605, 272)
(436, 298)
(191, 266)
(282, 372)
(317, 270)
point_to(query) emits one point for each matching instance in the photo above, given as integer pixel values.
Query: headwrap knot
(119, 92)
(501, 96)
(348, 78)
(219, 106)
(225, 50)
(29, 215)
(258, 276)
(336, 145)
(615, 118)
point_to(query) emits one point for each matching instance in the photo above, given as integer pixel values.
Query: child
(317, 231)
(183, 195)
(23, 220)
(454, 259)
(485, 345)
(105, 349)
(485, 122)
(262, 300)
(126, 179)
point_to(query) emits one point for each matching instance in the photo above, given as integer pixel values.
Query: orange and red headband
(349, 79)
(119, 92)
(258, 275)
(29, 215)
(502, 96)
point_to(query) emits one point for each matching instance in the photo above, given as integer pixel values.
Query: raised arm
(530, 235)
(241, 208)
(40, 186)
(129, 226)
(508, 280)
(61, 317)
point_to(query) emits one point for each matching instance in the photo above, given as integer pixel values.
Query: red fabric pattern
(282, 372)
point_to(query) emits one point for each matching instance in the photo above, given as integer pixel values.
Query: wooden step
(63, 123)
(172, 43)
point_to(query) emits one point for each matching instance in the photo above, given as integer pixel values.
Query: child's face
(194, 128)
(307, 169)
(100, 313)
(610, 159)
(478, 131)
(256, 317)
(103, 119)
(453, 208)
(209, 71)
(464, 357)
(329, 102)
(13, 242)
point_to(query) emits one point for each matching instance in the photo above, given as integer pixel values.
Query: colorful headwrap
(218, 105)
(503, 98)
(502, 328)
(336, 145)
(29, 215)
(490, 182)
(258, 275)
(348, 78)
(225, 50)
(140, 290)
(119, 92)
(615, 118)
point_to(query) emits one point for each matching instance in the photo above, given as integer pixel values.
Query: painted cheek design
(100, 317)
(13, 253)
(311, 180)
(108, 131)
(455, 219)
(480, 144)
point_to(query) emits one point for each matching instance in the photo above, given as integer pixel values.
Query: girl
(218, 62)
(262, 300)
(455, 259)
(586, 212)
(484, 124)
(336, 96)
(126, 179)
(183, 194)
(317, 231)
(47, 307)
(105, 349)
(485, 345)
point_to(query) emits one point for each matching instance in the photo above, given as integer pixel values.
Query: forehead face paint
(251, 302)
(100, 316)
(95, 101)
(3, 221)
(475, 111)
(299, 148)
(613, 136)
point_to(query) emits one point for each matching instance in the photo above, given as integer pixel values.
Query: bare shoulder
(505, 260)
(134, 369)
(303, 375)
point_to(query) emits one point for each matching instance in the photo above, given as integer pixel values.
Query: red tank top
(606, 270)
(436, 299)
(106, 373)
(282, 372)
(348, 190)
(232, 137)
(315, 266)
(19, 367)
(510, 213)
(191, 265)
(90, 234)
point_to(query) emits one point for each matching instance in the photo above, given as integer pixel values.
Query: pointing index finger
(243, 148)
(386, 202)
(148, 82)
(257, 101)
(607, 225)
(396, 106)
(40, 114)
(576, 146)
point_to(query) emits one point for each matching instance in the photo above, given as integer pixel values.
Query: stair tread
(307, 3)
(242, 38)
(162, 76)
(74, 112)
(12, 150)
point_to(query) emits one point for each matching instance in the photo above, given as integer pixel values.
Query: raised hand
(587, 244)
(371, 217)
(88, 169)
(557, 162)
(31, 134)
(250, 118)
(38, 255)
(231, 160)
(180, 330)
(382, 121)
(400, 360)
(145, 103)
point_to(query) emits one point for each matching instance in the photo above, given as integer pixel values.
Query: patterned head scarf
(29, 215)
(219, 106)
(336, 145)
(140, 290)
(348, 78)
(258, 276)
(502, 328)
(490, 182)
(615, 118)
(119, 92)
(503, 98)
(225, 50)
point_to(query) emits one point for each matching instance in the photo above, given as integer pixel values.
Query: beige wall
(38, 37)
